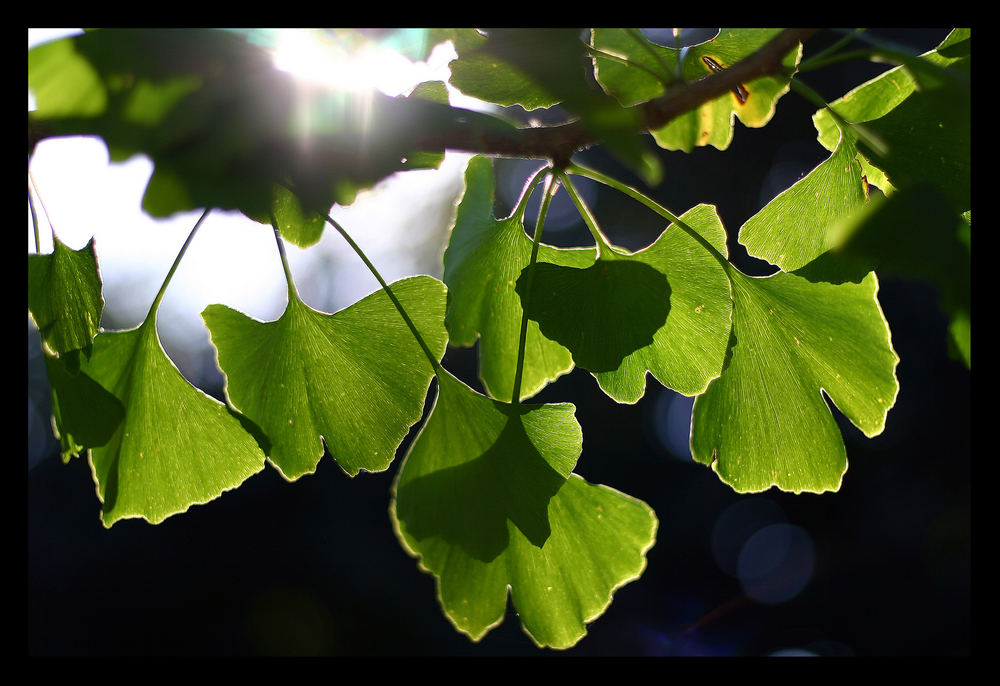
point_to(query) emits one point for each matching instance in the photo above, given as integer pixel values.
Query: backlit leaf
(764, 422)
(84, 415)
(64, 296)
(601, 313)
(355, 379)
(175, 447)
(482, 263)
(712, 123)
(542, 67)
(795, 227)
(487, 76)
(913, 234)
(939, 151)
(486, 499)
(688, 350)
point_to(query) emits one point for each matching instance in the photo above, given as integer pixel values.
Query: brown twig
(560, 141)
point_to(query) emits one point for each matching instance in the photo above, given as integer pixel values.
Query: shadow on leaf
(469, 505)
(86, 413)
(602, 313)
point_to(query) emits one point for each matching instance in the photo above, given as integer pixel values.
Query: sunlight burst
(338, 61)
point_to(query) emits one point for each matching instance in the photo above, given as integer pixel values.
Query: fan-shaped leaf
(688, 350)
(482, 263)
(795, 227)
(764, 423)
(880, 95)
(64, 296)
(896, 235)
(356, 379)
(175, 447)
(486, 499)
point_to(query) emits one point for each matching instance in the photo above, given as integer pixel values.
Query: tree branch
(559, 142)
(562, 140)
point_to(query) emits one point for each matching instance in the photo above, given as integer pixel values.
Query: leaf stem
(529, 187)
(816, 63)
(862, 132)
(603, 244)
(388, 291)
(551, 185)
(625, 62)
(293, 293)
(173, 268)
(52, 228)
(645, 45)
(819, 58)
(34, 219)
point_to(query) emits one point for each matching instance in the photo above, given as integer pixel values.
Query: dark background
(313, 568)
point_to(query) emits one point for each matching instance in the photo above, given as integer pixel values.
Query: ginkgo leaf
(175, 447)
(688, 350)
(928, 139)
(486, 499)
(64, 82)
(483, 260)
(712, 123)
(764, 422)
(921, 117)
(879, 96)
(486, 76)
(355, 379)
(795, 227)
(540, 67)
(926, 133)
(64, 296)
(296, 224)
(600, 313)
(895, 235)
(84, 415)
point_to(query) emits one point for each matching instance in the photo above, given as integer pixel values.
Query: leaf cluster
(487, 496)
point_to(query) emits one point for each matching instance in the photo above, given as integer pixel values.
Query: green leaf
(764, 422)
(601, 313)
(64, 296)
(879, 96)
(175, 447)
(795, 227)
(712, 123)
(486, 499)
(913, 234)
(64, 82)
(922, 111)
(483, 74)
(434, 91)
(542, 67)
(482, 263)
(356, 379)
(689, 349)
(929, 140)
(295, 223)
(84, 415)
